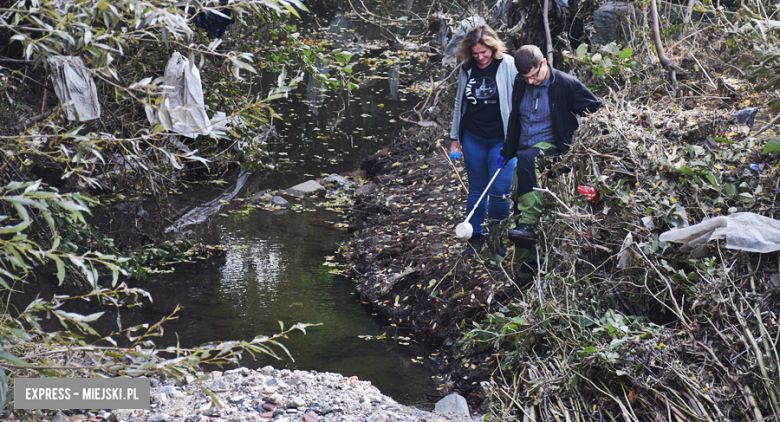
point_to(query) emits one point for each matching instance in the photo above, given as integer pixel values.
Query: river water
(273, 268)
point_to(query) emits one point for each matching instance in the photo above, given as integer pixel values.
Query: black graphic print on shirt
(484, 89)
(483, 114)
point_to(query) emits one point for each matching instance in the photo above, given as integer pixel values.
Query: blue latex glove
(454, 155)
(500, 161)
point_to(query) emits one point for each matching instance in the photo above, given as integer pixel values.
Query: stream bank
(407, 262)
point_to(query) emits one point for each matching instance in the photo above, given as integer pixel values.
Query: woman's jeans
(480, 156)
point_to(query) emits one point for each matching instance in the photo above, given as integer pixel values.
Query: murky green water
(273, 267)
(271, 271)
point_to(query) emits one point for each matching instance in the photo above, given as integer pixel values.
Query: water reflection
(272, 270)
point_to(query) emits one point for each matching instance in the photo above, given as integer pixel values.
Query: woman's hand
(455, 151)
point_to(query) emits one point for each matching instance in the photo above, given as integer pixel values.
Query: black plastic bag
(213, 23)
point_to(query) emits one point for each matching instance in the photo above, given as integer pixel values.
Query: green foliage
(772, 148)
(124, 46)
(607, 62)
(25, 205)
(765, 71)
(79, 350)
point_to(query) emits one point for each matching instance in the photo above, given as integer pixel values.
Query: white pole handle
(468, 217)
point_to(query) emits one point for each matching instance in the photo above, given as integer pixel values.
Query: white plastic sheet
(75, 88)
(463, 29)
(183, 102)
(745, 231)
(183, 98)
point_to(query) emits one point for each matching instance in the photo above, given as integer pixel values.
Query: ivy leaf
(581, 50)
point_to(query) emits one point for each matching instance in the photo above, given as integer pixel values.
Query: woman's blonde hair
(481, 34)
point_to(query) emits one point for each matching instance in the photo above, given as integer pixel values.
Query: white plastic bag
(75, 88)
(745, 231)
(183, 98)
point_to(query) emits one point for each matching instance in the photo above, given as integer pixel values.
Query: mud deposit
(406, 259)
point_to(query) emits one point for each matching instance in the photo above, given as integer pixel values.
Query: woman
(482, 106)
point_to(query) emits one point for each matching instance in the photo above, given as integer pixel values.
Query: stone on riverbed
(300, 396)
(453, 403)
(310, 187)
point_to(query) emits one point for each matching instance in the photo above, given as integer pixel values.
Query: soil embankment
(405, 257)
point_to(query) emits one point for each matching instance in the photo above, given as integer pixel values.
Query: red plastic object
(588, 191)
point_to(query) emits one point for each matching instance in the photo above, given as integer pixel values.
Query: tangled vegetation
(619, 325)
(54, 166)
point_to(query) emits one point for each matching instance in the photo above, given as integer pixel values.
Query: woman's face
(482, 54)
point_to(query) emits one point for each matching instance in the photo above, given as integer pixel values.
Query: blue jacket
(568, 98)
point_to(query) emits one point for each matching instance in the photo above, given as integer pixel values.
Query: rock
(297, 403)
(244, 371)
(279, 202)
(82, 418)
(453, 403)
(300, 396)
(236, 399)
(218, 386)
(611, 22)
(275, 398)
(306, 189)
(212, 410)
(365, 191)
(118, 415)
(378, 417)
(159, 398)
(337, 181)
(59, 417)
(267, 370)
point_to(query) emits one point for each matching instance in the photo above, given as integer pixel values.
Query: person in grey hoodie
(479, 124)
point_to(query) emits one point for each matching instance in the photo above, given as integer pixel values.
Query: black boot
(523, 233)
(524, 279)
(475, 244)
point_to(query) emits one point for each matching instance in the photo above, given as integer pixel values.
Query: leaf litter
(619, 324)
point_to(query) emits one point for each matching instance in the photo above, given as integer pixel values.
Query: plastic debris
(75, 88)
(744, 231)
(213, 20)
(681, 220)
(460, 33)
(183, 110)
(746, 116)
(623, 255)
(588, 191)
(648, 222)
